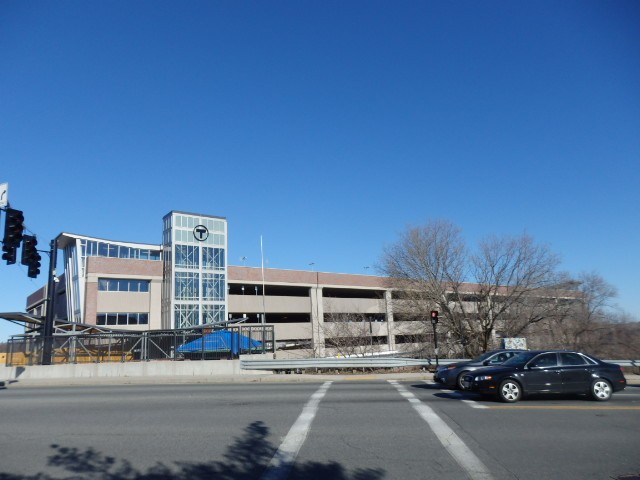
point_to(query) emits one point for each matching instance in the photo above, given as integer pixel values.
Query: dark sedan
(546, 371)
(451, 375)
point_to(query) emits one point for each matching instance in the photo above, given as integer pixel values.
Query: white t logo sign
(201, 233)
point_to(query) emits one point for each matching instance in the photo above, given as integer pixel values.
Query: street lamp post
(434, 323)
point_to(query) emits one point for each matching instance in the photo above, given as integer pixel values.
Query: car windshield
(519, 359)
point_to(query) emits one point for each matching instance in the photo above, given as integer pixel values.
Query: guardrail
(625, 363)
(359, 362)
(301, 364)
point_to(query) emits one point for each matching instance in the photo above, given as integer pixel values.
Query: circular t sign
(201, 233)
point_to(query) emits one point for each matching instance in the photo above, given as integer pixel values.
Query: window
(91, 248)
(122, 285)
(501, 357)
(212, 313)
(498, 359)
(213, 258)
(186, 256)
(213, 287)
(186, 315)
(546, 360)
(569, 359)
(122, 319)
(187, 285)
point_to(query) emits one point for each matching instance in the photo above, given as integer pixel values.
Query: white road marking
(448, 438)
(283, 459)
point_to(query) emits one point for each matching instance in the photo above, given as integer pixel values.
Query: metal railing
(338, 363)
(204, 344)
(371, 363)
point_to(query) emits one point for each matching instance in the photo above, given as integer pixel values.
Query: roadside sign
(4, 194)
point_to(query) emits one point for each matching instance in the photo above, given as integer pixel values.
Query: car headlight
(483, 378)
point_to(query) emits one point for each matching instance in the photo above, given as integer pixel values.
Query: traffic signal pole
(47, 331)
(434, 323)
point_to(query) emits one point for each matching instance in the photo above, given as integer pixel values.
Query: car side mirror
(486, 362)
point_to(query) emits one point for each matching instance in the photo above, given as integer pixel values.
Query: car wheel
(459, 381)
(509, 391)
(601, 390)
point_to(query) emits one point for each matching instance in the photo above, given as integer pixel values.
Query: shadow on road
(245, 459)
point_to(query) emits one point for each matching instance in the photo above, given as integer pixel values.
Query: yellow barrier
(62, 356)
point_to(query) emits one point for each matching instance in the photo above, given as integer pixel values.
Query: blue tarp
(223, 340)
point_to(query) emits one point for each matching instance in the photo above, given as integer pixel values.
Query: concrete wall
(354, 305)
(137, 369)
(253, 304)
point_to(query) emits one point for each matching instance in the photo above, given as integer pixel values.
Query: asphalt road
(365, 429)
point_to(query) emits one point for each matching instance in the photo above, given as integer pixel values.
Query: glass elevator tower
(194, 288)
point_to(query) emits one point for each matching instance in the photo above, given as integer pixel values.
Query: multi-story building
(186, 282)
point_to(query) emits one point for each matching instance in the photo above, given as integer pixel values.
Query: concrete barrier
(134, 369)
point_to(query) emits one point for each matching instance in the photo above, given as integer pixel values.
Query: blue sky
(326, 127)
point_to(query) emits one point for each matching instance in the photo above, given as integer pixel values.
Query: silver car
(451, 375)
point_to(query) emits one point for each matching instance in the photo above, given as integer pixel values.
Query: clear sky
(326, 127)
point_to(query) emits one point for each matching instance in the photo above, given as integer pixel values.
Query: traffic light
(13, 228)
(9, 254)
(30, 256)
(34, 267)
(434, 316)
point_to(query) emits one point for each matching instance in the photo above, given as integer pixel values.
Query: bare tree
(424, 265)
(589, 325)
(508, 284)
(517, 286)
(349, 334)
(624, 338)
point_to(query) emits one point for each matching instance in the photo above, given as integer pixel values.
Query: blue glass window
(213, 258)
(186, 256)
(122, 285)
(213, 286)
(122, 318)
(187, 285)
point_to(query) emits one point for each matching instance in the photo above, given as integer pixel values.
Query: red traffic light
(434, 316)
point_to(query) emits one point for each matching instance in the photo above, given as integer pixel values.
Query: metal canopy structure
(34, 325)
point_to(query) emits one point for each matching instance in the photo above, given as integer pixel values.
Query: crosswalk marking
(475, 469)
(286, 454)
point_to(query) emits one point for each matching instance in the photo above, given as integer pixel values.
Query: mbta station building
(186, 282)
